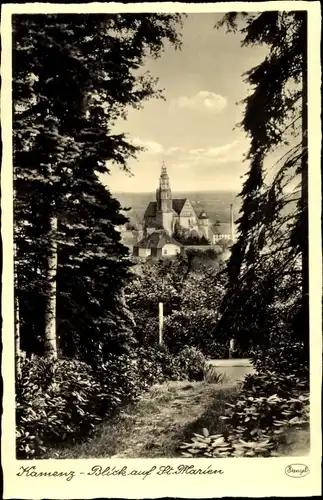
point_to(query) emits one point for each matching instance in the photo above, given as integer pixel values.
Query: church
(169, 213)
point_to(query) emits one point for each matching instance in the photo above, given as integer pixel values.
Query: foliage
(157, 365)
(191, 299)
(266, 407)
(267, 294)
(262, 412)
(220, 446)
(201, 258)
(284, 355)
(73, 78)
(193, 328)
(54, 401)
(189, 237)
(63, 400)
(213, 376)
(120, 382)
(192, 362)
(224, 243)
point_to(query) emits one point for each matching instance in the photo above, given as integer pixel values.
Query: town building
(156, 245)
(169, 213)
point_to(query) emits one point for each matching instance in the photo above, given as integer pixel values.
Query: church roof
(178, 204)
(158, 239)
(151, 209)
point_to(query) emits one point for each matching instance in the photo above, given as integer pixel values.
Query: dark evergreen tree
(74, 76)
(267, 292)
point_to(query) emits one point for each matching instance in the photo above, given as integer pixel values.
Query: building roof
(177, 204)
(151, 209)
(158, 239)
(206, 232)
(203, 215)
(222, 228)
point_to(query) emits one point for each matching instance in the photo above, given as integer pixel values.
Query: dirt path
(155, 426)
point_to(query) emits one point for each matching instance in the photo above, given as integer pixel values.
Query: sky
(193, 130)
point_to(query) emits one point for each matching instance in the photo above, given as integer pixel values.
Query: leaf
(205, 432)
(194, 451)
(198, 435)
(218, 442)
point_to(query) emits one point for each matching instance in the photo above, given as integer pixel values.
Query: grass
(155, 426)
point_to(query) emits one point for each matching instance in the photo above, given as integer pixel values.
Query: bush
(283, 355)
(120, 382)
(193, 328)
(258, 413)
(55, 401)
(156, 365)
(63, 400)
(271, 401)
(221, 446)
(267, 406)
(192, 362)
(216, 350)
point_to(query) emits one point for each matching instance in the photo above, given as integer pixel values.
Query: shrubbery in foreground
(63, 400)
(271, 402)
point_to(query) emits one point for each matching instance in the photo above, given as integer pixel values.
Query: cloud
(181, 158)
(218, 151)
(174, 150)
(204, 99)
(151, 147)
(155, 148)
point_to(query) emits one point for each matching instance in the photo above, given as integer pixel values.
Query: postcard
(161, 228)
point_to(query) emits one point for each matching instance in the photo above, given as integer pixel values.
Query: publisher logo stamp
(297, 470)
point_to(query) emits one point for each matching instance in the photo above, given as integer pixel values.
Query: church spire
(163, 170)
(164, 194)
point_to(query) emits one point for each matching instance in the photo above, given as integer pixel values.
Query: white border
(242, 477)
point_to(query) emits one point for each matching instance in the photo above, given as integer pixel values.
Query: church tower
(164, 211)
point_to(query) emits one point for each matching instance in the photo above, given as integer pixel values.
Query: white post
(161, 322)
(231, 348)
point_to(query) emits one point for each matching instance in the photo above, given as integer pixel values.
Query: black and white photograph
(160, 171)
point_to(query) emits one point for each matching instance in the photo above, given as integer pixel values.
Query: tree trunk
(17, 333)
(17, 315)
(305, 239)
(51, 347)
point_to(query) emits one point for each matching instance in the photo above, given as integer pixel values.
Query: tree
(271, 253)
(74, 76)
(191, 296)
(188, 237)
